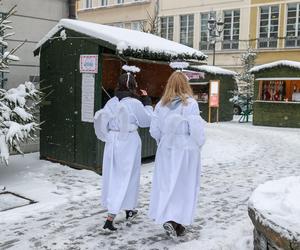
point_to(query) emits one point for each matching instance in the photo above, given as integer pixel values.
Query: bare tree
(151, 24)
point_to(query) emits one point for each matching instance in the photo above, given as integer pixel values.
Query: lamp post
(215, 29)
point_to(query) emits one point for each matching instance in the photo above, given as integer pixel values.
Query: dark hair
(127, 82)
(127, 86)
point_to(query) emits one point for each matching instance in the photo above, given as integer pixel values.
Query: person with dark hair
(116, 125)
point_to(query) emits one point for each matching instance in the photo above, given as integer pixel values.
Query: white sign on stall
(87, 97)
(89, 64)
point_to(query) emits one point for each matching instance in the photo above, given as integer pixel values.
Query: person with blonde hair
(179, 131)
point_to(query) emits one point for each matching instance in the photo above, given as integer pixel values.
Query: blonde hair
(177, 86)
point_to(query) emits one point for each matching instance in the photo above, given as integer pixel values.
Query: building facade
(130, 14)
(271, 27)
(275, 30)
(31, 22)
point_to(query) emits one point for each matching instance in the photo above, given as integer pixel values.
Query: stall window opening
(279, 90)
(273, 91)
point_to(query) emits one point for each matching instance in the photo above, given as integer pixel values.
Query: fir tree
(246, 79)
(243, 96)
(18, 106)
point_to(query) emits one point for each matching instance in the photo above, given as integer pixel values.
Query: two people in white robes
(177, 127)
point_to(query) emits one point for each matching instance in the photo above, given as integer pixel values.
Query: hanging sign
(193, 75)
(89, 64)
(214, 94)
(87, 97)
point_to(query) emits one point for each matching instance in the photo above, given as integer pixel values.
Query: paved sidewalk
(236, 159)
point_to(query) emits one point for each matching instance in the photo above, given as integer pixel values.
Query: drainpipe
(72, 9)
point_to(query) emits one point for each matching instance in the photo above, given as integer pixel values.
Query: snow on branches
(17, 105)
(17, 121)
(245, 78)
(7, 56)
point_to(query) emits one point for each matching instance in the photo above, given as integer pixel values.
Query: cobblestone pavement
(236, 158)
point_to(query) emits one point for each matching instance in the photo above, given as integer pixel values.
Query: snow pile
(63, 35)
(278, 202)
(281, 63)
(214, 70)
(125, 39)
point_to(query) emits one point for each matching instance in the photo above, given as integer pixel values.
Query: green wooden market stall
(226, 87)
(277, 94)
(80, 63)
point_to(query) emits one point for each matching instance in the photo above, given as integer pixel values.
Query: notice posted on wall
(214, 94)
(87, 97)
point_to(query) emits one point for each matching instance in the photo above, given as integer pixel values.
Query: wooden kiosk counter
(80, 63)
(277, 94)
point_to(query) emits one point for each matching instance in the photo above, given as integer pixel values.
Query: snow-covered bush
(245, 78)
(18, 106)
(243, 96)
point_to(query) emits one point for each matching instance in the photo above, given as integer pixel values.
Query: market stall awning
(278, 79)
(198, 83)
(281, 63)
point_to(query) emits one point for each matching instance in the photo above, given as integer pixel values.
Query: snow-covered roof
(287, 63)
(214, 70)
(126, 41)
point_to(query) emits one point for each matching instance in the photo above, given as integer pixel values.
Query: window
(88, 4)
(279, 90)
(231, 33)
(104, 2)
(268, 29)
(204, 35)
(273, 91)
(167, 27)
(120, 1)
(136, 26)
(293, 25)
(187, 30)
(119, 25)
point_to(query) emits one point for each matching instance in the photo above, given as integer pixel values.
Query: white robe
(180, 136)
(116, 124)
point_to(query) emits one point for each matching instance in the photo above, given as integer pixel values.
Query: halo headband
(179, 65)
(131, 69)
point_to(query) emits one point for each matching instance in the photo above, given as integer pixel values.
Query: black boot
(180, 230)
(131, 214)
(170, 228)
(109, 225)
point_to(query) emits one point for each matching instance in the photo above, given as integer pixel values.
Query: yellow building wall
(272, 54)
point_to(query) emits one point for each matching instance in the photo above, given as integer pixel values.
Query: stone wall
(266, 238)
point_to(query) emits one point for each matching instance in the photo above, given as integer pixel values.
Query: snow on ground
(236, 159)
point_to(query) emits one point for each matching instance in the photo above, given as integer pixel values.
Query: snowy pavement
(236, 158)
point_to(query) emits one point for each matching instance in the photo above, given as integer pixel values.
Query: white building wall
(34, 18)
